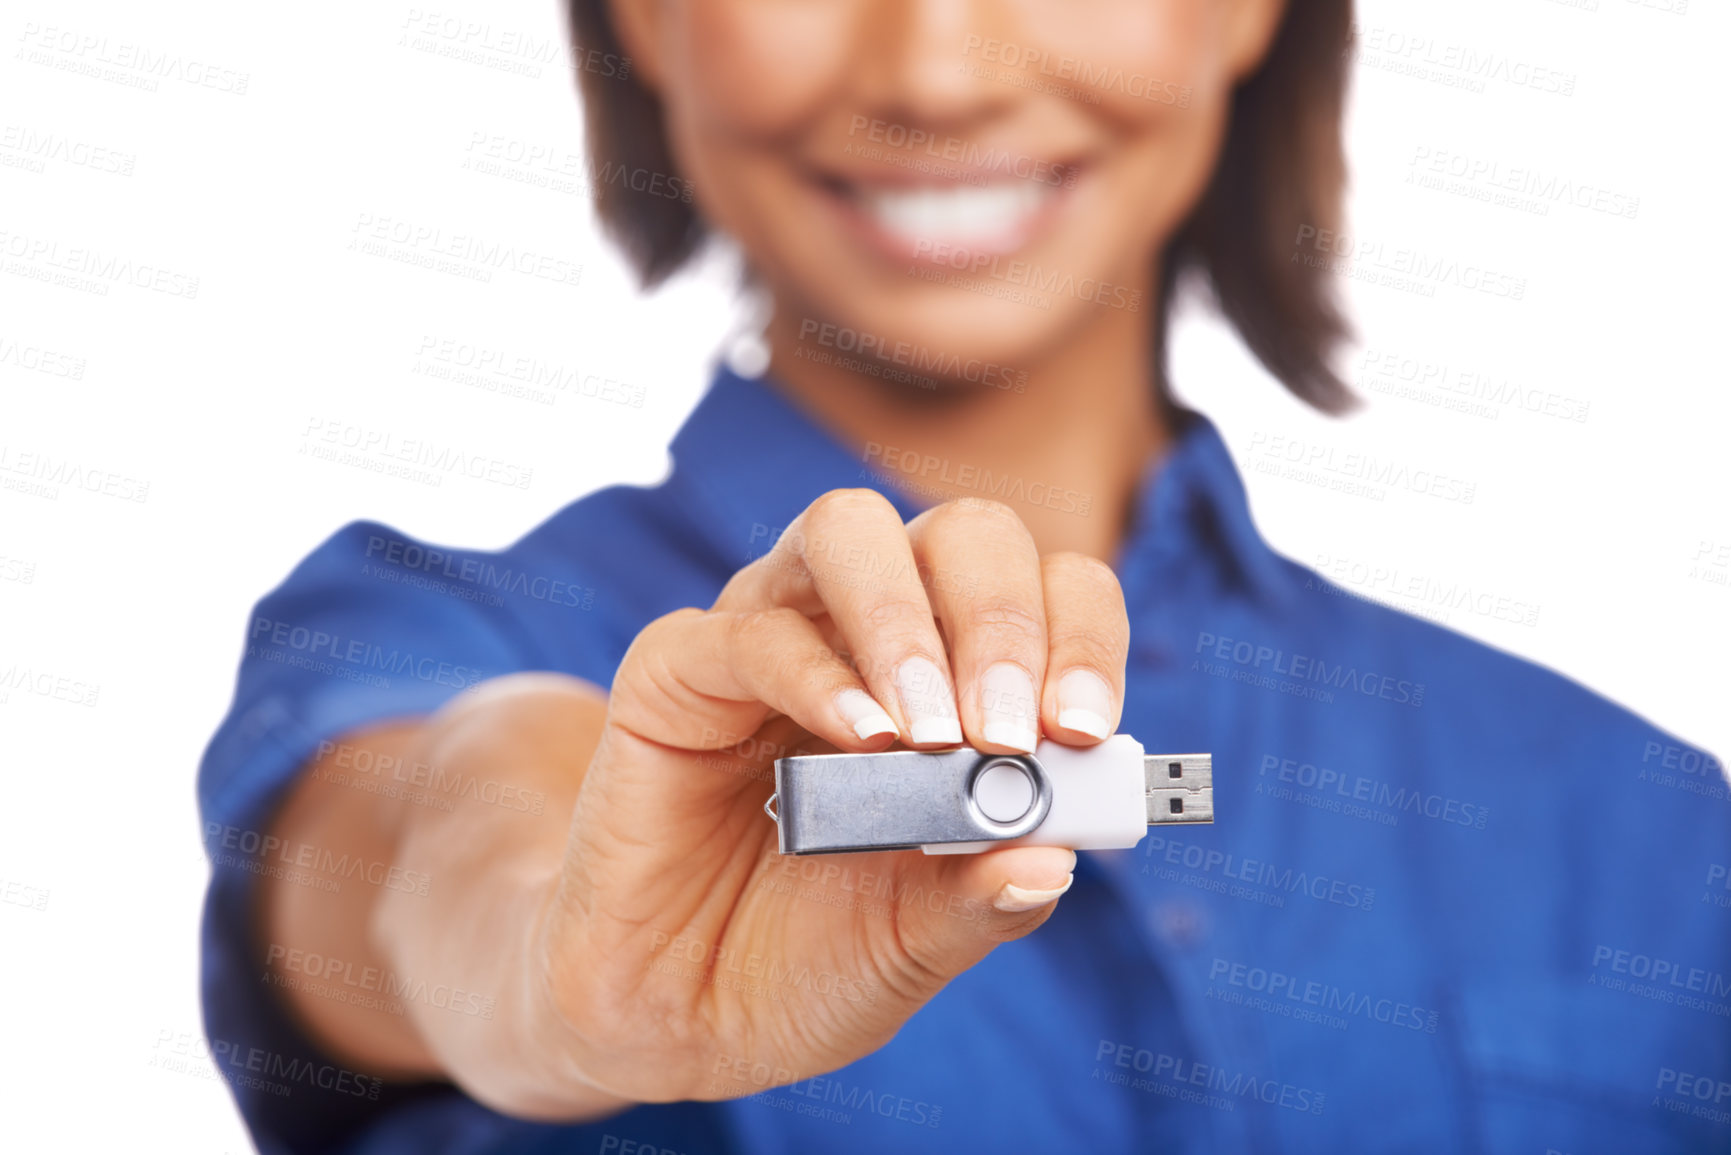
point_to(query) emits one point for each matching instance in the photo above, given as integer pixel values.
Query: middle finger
(982, 576)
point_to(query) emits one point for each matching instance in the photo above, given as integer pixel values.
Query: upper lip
(951, 174)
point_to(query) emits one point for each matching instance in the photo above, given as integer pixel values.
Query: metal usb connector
(1180, 787)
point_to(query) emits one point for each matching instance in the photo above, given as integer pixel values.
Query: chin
(940, 336)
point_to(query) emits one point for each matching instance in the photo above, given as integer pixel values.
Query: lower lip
(901, 250)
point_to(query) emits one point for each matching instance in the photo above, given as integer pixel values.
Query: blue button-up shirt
(1451, 901)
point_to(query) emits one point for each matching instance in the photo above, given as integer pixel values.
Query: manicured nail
(1085, 703)
(1009, 707)
(929, 703)
(1014, 899)
(864, 715)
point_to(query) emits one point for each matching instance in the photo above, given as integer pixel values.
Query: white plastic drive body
(1099, 799)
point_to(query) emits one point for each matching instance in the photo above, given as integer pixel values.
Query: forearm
(447, 947)
(314, 939)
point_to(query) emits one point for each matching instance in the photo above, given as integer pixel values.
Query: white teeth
(957, 214)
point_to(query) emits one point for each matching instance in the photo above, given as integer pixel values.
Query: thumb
(990, 898)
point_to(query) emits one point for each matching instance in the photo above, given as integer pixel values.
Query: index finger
(848, 556)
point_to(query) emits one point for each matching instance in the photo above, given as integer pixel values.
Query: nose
(919, 61)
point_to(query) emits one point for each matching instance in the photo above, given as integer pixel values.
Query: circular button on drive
(1004, 792)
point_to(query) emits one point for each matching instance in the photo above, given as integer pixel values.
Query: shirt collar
(748, 461)
(1192, 507)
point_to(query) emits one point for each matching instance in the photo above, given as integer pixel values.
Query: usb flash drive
(962, 801)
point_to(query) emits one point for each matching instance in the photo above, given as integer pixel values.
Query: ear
(1250, 29)
(637, 24)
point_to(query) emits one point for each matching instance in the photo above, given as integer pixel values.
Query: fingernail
(864, 715)
(1014, 899)
(1085, 703)
(1009, 707)
(929, 702)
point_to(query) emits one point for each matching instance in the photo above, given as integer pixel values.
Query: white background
(1607, 526)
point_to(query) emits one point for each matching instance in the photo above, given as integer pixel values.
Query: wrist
(480, 930)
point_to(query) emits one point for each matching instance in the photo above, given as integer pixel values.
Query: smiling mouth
(929, 222)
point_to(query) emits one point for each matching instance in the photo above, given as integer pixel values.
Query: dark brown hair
(1282, 168)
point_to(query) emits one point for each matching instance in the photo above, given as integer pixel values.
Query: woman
(493, 868)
